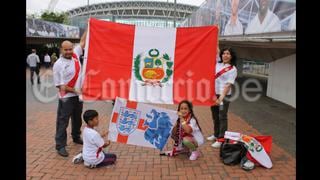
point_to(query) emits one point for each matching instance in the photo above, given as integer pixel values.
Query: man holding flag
(66, 76)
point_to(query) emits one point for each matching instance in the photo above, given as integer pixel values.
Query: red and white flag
(154, 65)
(141, 124)
(255, 148)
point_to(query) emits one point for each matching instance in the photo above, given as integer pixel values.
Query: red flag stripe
(112, 45)
(195, 51)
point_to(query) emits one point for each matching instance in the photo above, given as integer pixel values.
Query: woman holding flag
(226, 73)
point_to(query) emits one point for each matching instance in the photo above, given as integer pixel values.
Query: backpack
(232, 153)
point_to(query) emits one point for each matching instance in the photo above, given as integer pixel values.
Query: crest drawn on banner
(128, 120)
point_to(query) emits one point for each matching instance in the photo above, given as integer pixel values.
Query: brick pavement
(138, 162)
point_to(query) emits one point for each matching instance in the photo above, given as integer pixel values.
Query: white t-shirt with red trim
(64, 70)
(92, 140)
(227, 77)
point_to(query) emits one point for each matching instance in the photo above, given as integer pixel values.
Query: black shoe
(38, 82)
(78, 141)
(63, 152)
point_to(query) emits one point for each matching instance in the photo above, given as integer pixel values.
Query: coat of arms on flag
(156, 69)
(141, 124)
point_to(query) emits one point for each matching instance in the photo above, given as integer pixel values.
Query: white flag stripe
(163, 40)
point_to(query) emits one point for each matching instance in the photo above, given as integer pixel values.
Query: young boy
(93, 143)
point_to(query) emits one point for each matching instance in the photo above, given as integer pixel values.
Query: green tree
(55, 17)
(34, 15)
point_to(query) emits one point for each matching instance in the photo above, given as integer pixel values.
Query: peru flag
(152, 65)
(141, 124)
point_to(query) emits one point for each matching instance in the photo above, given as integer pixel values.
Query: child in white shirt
(187, 134)
(93, 143)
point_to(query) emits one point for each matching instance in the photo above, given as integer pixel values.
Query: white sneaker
(216, 144)
(248, 165)
(211, 138)
(91, 166)
(194, 155)
(77, 159)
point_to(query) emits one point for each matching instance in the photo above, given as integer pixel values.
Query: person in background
(47, 60)
(33, 61)
(53, 58)
(264, 21)
(292, 22)
(233, 26)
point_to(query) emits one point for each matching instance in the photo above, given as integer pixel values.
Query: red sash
(98, 151)
(187, 119)
(73, 81)
(224, 70)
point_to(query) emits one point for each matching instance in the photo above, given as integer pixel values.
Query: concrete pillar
(282, 80)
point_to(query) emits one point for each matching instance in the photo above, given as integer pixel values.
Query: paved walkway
(268, 116)
(136, 162)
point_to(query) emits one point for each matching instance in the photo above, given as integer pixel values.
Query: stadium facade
(141, 13)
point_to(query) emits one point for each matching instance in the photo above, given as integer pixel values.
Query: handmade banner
(140, 124)
(153, 65)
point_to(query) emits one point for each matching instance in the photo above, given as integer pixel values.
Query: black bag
(231, 154)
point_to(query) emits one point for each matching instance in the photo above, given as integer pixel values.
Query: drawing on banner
(141, 124)
(159, 127)
(128, 120)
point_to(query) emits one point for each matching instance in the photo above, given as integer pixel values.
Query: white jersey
(227, 77)
(271, 23)
(233, 29)
(92, 141)
(47, 58)
(65, 69)
(292, 23)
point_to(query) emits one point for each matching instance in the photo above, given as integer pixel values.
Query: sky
(38, 6)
